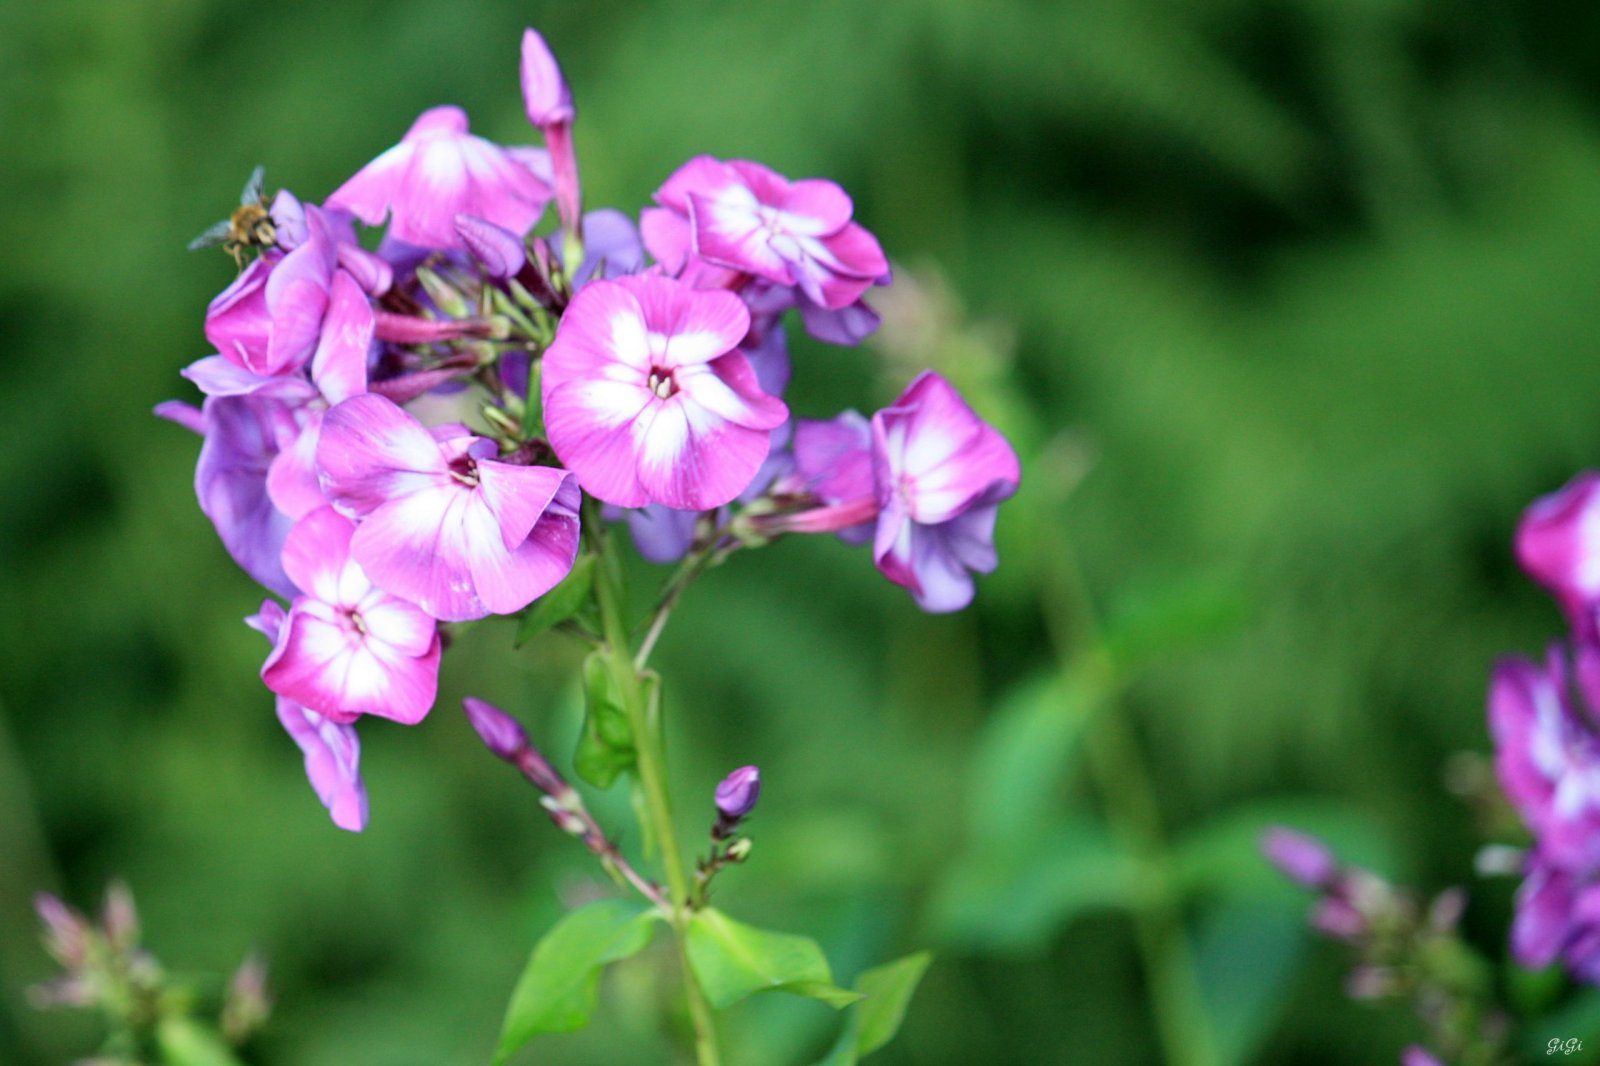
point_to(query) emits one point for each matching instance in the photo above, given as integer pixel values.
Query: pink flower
(747, 218)
(939, 473)
(443, 523)
(332, 750)
(1558, 544)
(647, 399)
(347, 647)
(439, 171)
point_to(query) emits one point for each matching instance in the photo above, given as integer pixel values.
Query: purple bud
(1445, 913)
(502, 733)
(65, 930)
(737, 795)
(498, 249)
(1370, 982)
(247, 1004)
(120, 918)
(1303, 859)
(74, 990)
(1416, 1055)
(544, 90)
(1335, 917)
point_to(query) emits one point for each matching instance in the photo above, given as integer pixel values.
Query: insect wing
(214, 235)
(253, 187)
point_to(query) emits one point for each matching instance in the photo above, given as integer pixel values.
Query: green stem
(1125, 786)
(652, 769)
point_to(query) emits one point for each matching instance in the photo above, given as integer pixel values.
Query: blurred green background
(1289, 304)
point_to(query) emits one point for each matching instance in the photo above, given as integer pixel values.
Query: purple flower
(439, 171)
(1416, 1055)
(647, 399)
(745, 217)
(332, 750)
(1558, 544)
(1303, 859)
(1547, 753)
(347, 647)
(444, 523)
(738, 793)
(940, 473)
(1557, 918)
(244, 435)
(833, 461)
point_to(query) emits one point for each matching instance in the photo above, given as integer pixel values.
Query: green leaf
(1024, 756)
(731, 960)
(887, 991)
(557, 990)
(605, 747)
(1013, 899)
(560, 603)
(834, 996)
(185, 1042)
(1246, 955)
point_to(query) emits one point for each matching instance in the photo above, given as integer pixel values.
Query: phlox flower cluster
(1544, 716)
(417, 435)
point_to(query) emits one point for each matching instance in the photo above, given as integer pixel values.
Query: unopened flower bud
(1445, 913)
(120, 918)
(247, 1004)
(498, 249)
(1416, 1055)
(738, 792)
(74, 990)
(1335, 917)
(1303, 859)
(500, 732)
(66, 932)
(1370, 982)
(544, 89)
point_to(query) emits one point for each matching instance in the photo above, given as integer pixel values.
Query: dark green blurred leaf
(1579, 1018)
(1016, 899)
(186, 1042)
(605, 747)
(560, 603)
(557, 990)
(1024, 757)
(1247, 953)
(732, 960)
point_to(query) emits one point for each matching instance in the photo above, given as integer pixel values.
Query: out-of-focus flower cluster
(1544, 716)
(1404, 951)
(149, 1016)
(400, 438)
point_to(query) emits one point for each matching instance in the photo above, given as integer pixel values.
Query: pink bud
(500, 732)
(544, 90)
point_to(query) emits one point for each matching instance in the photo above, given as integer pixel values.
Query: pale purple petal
(371, 451)
(339, 366)
(333, 762)
(182, 414)
(292, 481)
(847, 326)
(835, 457)
(231, 483)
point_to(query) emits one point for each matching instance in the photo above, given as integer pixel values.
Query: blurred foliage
(1299, 295)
